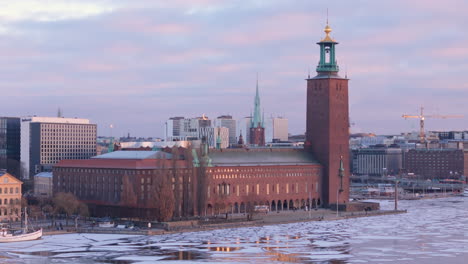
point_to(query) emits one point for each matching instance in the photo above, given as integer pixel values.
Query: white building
(231, 124)
(244, 128)
(181, 129)
(47, 140)
(276, 129)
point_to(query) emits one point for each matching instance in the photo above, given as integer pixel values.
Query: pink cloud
(146, 25)
(273, 28)
(92, 66)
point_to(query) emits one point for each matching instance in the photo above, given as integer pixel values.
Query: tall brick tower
(327, 135)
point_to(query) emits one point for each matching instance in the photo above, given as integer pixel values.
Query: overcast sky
(136, 63)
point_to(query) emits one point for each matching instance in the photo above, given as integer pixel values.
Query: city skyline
(151, 60)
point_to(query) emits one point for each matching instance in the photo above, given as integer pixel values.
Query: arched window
(5, 201)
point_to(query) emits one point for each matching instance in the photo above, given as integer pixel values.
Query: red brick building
(120, 183)
(327, 134)
(437, 163)
(283, 179)
(218, 182)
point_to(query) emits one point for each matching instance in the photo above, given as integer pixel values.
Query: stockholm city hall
(211, 181)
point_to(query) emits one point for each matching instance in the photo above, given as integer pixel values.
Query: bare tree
(68, 204)
(128, 196)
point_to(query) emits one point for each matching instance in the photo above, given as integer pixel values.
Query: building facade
(43, 185)
(231, 124)
(327, 128)
(122, 183)
(10, 198)
(376, 161)
(282, 179)
(47, 140)
(10, 150)
(276, 129)
(204, 182)
(437, 163)
(244, 128)
(216, 137)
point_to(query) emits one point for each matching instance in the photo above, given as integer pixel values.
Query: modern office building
(216, 137)
(276, 129)
(231, 124)
(10, 151)
(376, 161)
(172, 128)
(47, 140)
(180, 129)
(244, 129)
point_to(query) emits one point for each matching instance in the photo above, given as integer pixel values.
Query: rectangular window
(268, 188)
(287, 187)
(258, 189)
(297, 187)
(237, 189)
(247, 189)
(277, 188)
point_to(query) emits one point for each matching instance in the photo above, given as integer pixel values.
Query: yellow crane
(421, 117)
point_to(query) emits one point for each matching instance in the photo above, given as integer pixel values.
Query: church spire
(257, 118)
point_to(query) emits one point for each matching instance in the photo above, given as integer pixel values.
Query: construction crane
(421, 117)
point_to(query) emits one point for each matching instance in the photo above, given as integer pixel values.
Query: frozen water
(433, 231)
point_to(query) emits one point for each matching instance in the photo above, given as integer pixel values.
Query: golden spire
(327, 31)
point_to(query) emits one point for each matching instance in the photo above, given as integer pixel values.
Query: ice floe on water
(433, 231)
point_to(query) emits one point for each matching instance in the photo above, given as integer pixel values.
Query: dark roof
(261, 157)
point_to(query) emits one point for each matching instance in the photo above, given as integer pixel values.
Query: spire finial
(308, 75)
(327, 15)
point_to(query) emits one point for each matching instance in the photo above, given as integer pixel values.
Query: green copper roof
(257, 118)
(327, 61)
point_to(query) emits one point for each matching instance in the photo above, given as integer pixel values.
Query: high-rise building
(180, 129)
(327, 134)
(376, 161)
(276, 129)
(257, 127)
(10, 137)
(244, 129)
(172, 129)
(216, 137)
(47, 140)
(227, 121)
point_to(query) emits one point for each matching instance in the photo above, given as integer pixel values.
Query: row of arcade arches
(274, 206)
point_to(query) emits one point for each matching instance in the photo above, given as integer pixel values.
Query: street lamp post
(396, 195)
(337, 198)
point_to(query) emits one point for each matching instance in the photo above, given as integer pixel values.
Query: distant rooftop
(58, 120)
(44, 174)
(261, 157)
(134, 155)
